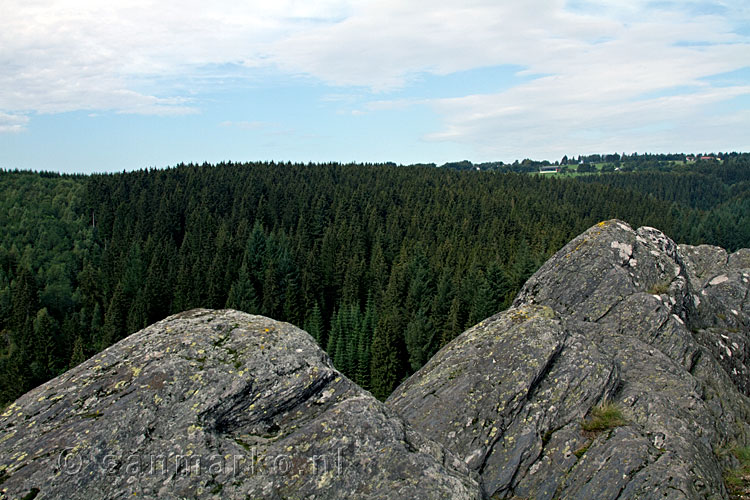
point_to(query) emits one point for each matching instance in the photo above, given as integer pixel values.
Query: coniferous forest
(382, 264)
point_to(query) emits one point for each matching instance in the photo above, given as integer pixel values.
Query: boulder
(216, 404)
(595, 384)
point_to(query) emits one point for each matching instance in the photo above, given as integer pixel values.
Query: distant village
(597, 163)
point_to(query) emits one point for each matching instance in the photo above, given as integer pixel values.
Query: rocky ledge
(216, 404)
(620, 372)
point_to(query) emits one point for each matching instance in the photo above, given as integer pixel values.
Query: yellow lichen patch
(325, 479)
(157, 399)
(42, 398)
(122, 383)
(9, 411)
(8, 436)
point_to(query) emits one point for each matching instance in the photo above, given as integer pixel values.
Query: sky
(92, 86)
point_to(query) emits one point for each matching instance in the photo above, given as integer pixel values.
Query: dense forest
(382, 264)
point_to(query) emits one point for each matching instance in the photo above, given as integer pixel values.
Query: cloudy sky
(87, 85)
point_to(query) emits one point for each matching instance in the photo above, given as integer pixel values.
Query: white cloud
(552, 126)
(63, 55)
(602, 72)
(601, 76)
(12, 123)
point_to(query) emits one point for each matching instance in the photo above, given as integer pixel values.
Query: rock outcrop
(620, 372)
(216, 404)
(617, 374)
(721, 283)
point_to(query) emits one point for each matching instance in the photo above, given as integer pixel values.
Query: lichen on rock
(627, 327)
(216, 404)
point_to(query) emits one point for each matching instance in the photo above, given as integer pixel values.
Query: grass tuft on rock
(582, 450)
(738, 479)
(658, 288)
(605, 416)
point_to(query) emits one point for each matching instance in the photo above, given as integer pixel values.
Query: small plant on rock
(658, 288)
(605, 416)
(738, 479)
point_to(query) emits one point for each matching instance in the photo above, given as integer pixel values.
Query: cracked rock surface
(222, 404)
(618, 315)
(216, 404)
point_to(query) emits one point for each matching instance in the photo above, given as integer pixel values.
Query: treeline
(627, 163)
(720, 192)
(383, 265)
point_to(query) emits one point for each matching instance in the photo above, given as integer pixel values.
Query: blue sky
(91, 86)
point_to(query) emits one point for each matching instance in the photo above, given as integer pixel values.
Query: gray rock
(610, 318)
(498, 392)
(703, 262)
(722, 307)
(216, 404)
(221, 404)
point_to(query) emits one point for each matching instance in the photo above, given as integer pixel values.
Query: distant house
(708, 158)
(551, 169)
(690, 159)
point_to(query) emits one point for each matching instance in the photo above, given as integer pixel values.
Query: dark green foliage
(383, 265)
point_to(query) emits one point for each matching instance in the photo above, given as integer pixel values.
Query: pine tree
(314, 325)
(420, 340)
(25, 299)
(78, 356)
(115, 319)
(218, 285)
(364, 343)
(483, 303)
(242, 294)
(388, 350)
(46, 360)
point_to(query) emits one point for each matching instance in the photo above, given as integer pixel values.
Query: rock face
(620, 372)
(216, 404)
(619, 319)
(720, 298)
